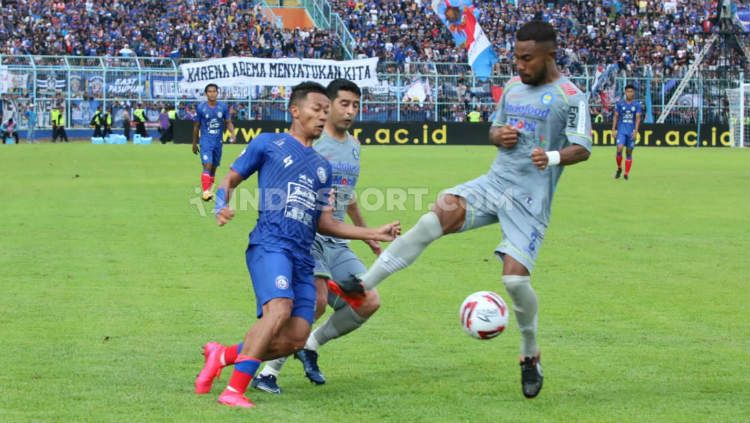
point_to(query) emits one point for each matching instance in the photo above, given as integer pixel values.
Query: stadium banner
(462, 19)
(242, 71)
(11, 81)
(464, 133)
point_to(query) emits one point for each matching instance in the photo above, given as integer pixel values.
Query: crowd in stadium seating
(179, 29)
(645, 32)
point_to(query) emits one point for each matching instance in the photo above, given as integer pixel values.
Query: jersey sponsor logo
(288, 161)
(582, 117)
(300, 202)
(526, 110)
(344, 180)
(305, 179)
(572, 116)
(322, 176)
(525, 125)
(355, 153)
(546, 99)
(569, 88)
(282, 282)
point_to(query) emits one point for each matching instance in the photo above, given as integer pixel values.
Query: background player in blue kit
(295, 184)
(333, 257)
(625, 127)
(542, 125)
(211, 118)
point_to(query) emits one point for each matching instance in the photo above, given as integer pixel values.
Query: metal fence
(407, 91)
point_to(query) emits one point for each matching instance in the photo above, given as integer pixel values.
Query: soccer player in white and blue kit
(625, 127)
(542, 124)
(294, 202)
(333, 257)
(210, 120)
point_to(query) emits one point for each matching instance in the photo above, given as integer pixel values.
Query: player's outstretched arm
(327, 225)
(223, 212)
(353, 211)
(569, 155)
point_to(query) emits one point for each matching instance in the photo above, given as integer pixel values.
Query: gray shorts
(335, 261)
(486, 203)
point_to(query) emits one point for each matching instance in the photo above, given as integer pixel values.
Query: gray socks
(404, 250)
(525, 308)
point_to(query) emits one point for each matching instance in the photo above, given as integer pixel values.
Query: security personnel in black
(172, 115)
(96, 122)
(106, 119)
(57, 116)
(139, 115)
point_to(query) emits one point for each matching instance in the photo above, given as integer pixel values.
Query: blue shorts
(626, 139)
(278, 274)
(211, 153)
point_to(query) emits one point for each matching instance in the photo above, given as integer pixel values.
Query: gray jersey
(550, 116)
(344, 159)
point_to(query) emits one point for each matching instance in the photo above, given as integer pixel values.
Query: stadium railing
(407, 91)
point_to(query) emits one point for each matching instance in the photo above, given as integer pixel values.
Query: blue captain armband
(221, 200)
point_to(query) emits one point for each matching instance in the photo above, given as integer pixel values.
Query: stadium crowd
(663, 36)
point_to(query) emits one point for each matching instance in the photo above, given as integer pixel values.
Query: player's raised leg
(447, 216)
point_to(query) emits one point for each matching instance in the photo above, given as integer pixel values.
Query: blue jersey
(626, 112)
(212, 121)
(294, 183)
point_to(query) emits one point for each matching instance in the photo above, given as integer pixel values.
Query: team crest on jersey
(632, 108)
(546, 99)
(355, 153)
(282, 282)
(206, 115)
(322, 175)
(219, 115)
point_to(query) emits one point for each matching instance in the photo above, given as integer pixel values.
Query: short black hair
(538, 31)
(342, 85)
(205, 90)
(301, 90)
(630, 86)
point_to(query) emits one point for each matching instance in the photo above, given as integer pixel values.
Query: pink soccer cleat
(212, 351)
(234, 399)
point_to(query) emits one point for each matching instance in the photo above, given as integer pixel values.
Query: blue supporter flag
(462, 19)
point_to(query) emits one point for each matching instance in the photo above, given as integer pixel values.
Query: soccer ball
(484, 315)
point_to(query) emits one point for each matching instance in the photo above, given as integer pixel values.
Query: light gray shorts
(486, 203)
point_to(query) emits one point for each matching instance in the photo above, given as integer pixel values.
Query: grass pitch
(112, 279)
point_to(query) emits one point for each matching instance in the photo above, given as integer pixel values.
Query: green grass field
(112, 280)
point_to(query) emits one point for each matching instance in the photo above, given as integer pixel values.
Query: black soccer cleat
(266, 383)
(618, 173)
(531, 376)
(309, 359)
(626, 176)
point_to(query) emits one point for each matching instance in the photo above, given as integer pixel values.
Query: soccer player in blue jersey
(625, 127)
(295, 184)
(542, 126)
(210, 120)
(333, 257)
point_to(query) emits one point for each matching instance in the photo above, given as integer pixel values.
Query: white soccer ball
(484, 315)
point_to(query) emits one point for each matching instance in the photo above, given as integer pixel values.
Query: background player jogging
(625, 127)
(210, 120)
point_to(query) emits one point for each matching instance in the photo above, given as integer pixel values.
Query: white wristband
(553, 158)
